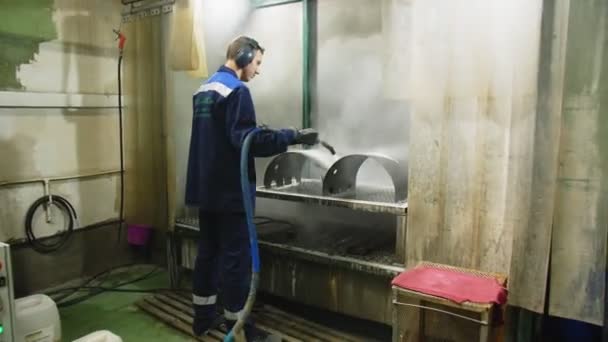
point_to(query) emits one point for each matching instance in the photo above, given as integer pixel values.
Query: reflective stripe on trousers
(198, 300)
(233, 316)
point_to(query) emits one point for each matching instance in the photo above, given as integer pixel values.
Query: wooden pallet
(176, 311)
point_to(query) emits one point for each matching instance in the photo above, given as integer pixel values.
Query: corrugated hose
(253, 239)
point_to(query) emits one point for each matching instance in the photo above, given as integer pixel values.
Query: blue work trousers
(223, 261)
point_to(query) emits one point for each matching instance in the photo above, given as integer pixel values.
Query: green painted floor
(116, 312)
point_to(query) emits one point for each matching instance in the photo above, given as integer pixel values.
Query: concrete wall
(73, 63)
(89, 252)
(58, 118)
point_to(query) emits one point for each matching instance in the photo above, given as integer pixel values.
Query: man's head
(245, 54)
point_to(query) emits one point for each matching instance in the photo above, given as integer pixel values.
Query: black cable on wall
(65, 206)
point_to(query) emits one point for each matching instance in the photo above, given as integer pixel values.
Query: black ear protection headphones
(245, 54)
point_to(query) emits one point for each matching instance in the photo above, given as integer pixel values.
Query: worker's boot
(202, 325)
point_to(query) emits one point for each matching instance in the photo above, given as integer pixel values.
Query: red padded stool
(440, 302)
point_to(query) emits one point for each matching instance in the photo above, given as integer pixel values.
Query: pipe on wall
(49, 179)
(306, 18)
(308, 41)
(270, 3)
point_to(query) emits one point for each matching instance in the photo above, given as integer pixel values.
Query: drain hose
(253, 240)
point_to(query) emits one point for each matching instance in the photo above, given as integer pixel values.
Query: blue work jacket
(223, 115)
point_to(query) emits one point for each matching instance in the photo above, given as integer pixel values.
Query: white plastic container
(37, 319)
(99, 336)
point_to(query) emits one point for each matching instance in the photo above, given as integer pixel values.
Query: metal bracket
(47, 192)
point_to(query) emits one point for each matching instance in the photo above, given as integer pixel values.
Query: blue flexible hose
(253, 239)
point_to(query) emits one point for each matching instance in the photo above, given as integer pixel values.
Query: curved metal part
(287, 167)
(341, 178)
(283, 168)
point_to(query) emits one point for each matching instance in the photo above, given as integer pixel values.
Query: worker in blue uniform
(223, 115)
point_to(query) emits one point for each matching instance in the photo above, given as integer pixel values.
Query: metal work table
(190, 227)
(340, 283)
(344, 283)
(368, 199)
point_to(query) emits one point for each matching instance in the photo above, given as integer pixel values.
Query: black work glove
(306, 136)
